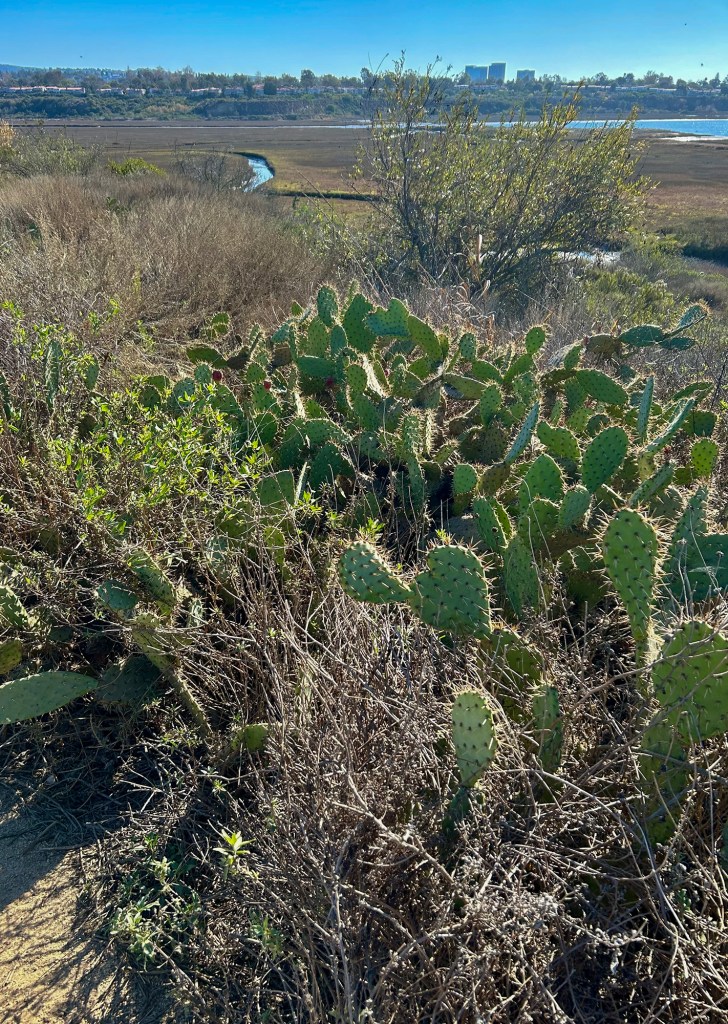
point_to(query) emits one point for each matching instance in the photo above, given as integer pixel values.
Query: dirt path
(52, 969)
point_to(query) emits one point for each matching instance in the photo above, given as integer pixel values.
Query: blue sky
(572, 38)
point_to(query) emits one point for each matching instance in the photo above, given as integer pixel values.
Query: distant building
(496, 73)
(476, 72)
(526, 76)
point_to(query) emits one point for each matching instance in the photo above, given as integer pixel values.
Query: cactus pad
(365, 575)
(524, 435)
(574, 506)
(601, 387)
(548, 725)
(474, 736)
(11, 654)
(603, 457)
(464, 479)
(630, 551)
(703, 456)
(452, 593)
(36, 695)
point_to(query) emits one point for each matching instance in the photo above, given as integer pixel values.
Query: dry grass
(169, 253)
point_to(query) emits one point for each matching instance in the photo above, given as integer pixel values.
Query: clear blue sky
(687, 38)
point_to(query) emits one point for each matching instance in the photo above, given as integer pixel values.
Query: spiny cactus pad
(474, 736)
(464, 478)
(11, 654)
(574, 506)
(365, 575)
(691, 680)
(548, 725)
(524, 435)
(601, 387)
(630, 551)
(603, 457)
(452, 593)
(32, 696)
(703, 456)
(12, 612)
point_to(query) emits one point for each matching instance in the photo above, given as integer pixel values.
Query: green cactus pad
(535, 340)
(645, 408)
(603, 457)
(12, 612)
(485, 372)
(485, 445)
(32, 696)
(11, 654)
(690, 679)
(278, 489)
(493, 478)
(464, 479)
(601, 387)
(392, 322)
(358, 333)
(468, 346)
(365, 575)
(630, 552)
(548, 726)
(645, 334)
(559, 441)
(329, 464)
(467, 387)
(520, 578)
(700, 423)
(538, 524)
(424, 336)
(703, 456)
(490, 402)
(524, 435)
(574, 506)
(134, 681)
(542, 479)
(474, 736)
(452, 593)
(152, 579)
(327, 304)
(117, 598)
(489, 522)
(573, 355)
(652, 486)
(679, 415)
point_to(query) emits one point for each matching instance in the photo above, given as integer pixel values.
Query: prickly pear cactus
(603, 457)
(630, 552)
(11, 654)
(365, 575)
(548, 725)
(32, 696)
(452, 593)
(473, 735)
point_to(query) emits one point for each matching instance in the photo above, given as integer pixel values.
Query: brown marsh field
(690, 196)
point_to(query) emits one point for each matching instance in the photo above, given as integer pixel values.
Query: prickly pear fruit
(365, 575)
(474, 736)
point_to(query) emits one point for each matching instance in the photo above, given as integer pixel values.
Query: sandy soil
(53, 970)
